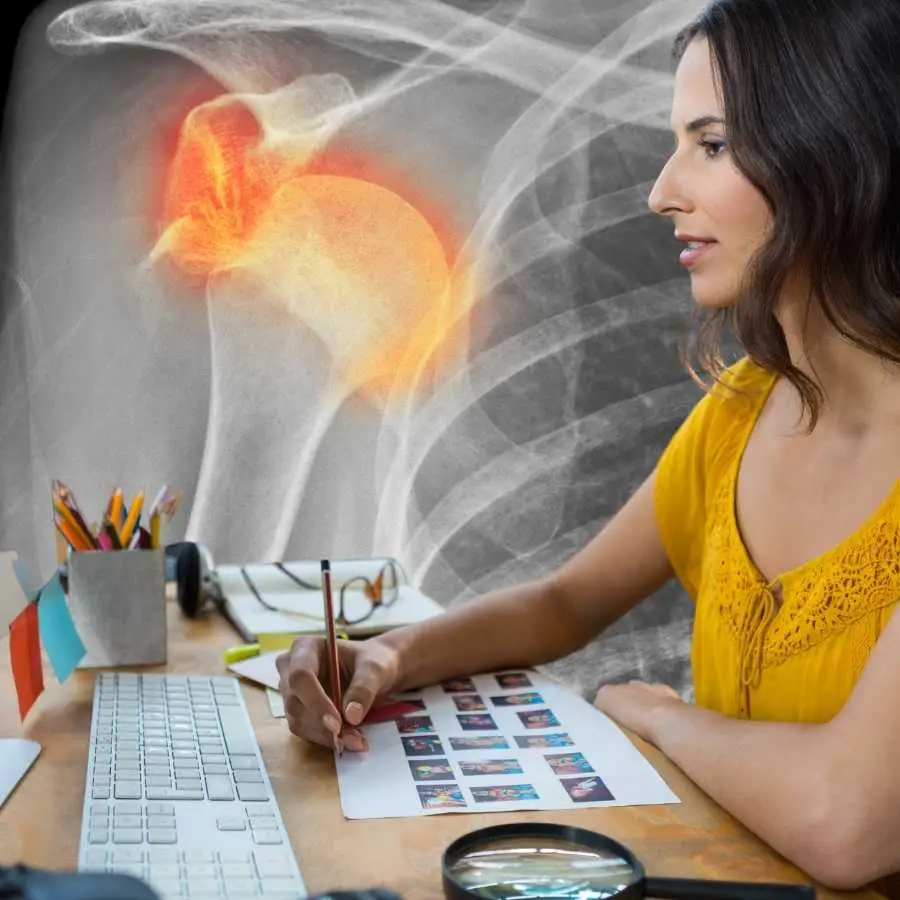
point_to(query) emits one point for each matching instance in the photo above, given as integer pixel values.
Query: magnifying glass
(545, 860)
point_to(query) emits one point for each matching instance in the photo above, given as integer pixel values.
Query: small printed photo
(459, 686)
(504, 793)
(415, 725)
(422, 746)
(494, 742)
(416, 704)
(538, 741)
(586, 790)
(530, 699)
(491, 767)
(468, 702)
(513, 680)
(440, 796)
(430, 769)
(538, 718)
(568, 763)
(476, 722)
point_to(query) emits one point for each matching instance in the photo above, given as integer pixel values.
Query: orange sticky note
(25, 656)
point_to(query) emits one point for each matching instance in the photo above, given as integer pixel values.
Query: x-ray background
(541, 125)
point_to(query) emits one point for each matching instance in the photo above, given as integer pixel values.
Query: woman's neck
(861, 390)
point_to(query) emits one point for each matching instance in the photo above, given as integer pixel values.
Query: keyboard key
(160, 809)
(201, 870)
(164, 793)
(218, 787)
(272, 869)
(126, 855)
(259, 811)
(188, 784)
(164, 870)
(267, 837)
(252, 793)
(231, 823)
(127, 836)
(161, 836)
(127, 821)
(273, 885)
(198, 886)
(165, 887)
(246, 776)
(240, 886)
(128, 790)
(128, 809)
(98, 836)
(160, 821)
(235, 732)
(199, 856)
(95, 858)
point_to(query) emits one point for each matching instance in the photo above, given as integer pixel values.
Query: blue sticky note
(58, 634)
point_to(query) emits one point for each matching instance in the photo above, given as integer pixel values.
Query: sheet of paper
(260, 669)
(276, 703)
(58, 635)
(16, 758)
(12, 597)
(25, 658)
(496, 743)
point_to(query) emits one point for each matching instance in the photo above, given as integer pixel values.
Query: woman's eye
(712, 149)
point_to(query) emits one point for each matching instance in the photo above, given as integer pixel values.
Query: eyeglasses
(359, 597)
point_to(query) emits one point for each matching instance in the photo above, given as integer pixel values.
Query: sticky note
(25, 656)
(12, 598)
(25, 579)
(58, 635)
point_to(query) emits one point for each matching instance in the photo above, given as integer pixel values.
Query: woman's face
(703, 192)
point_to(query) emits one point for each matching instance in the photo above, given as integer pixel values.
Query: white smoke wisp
(497, 110)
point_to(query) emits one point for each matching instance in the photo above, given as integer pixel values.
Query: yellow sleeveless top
(751, 658)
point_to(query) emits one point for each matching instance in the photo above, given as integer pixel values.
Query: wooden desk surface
(39, 825)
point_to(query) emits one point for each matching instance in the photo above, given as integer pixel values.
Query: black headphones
(190, 567)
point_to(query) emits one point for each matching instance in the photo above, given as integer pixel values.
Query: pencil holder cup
(118, 604)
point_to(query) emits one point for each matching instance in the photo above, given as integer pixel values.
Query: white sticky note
(12, 597)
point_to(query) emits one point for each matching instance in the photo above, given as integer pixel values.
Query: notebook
(306, 607)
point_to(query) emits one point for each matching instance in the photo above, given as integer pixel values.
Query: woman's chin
(712, 299)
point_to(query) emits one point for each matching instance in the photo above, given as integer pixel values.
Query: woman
(777, 503)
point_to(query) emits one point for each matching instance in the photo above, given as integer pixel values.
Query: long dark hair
(812, 110)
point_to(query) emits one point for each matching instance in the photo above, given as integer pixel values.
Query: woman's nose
(667, 196)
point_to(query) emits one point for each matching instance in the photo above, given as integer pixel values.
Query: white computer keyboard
(177, 792)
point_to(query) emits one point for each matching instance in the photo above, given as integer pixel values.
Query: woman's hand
(368, 673)
(637, 705)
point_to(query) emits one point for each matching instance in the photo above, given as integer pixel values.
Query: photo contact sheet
(496, 742)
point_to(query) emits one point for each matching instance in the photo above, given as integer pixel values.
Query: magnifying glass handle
(697, 889)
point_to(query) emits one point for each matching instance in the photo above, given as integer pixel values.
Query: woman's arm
(826, 796)
(545, 620)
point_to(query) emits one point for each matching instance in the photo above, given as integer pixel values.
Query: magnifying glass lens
(540, 866)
